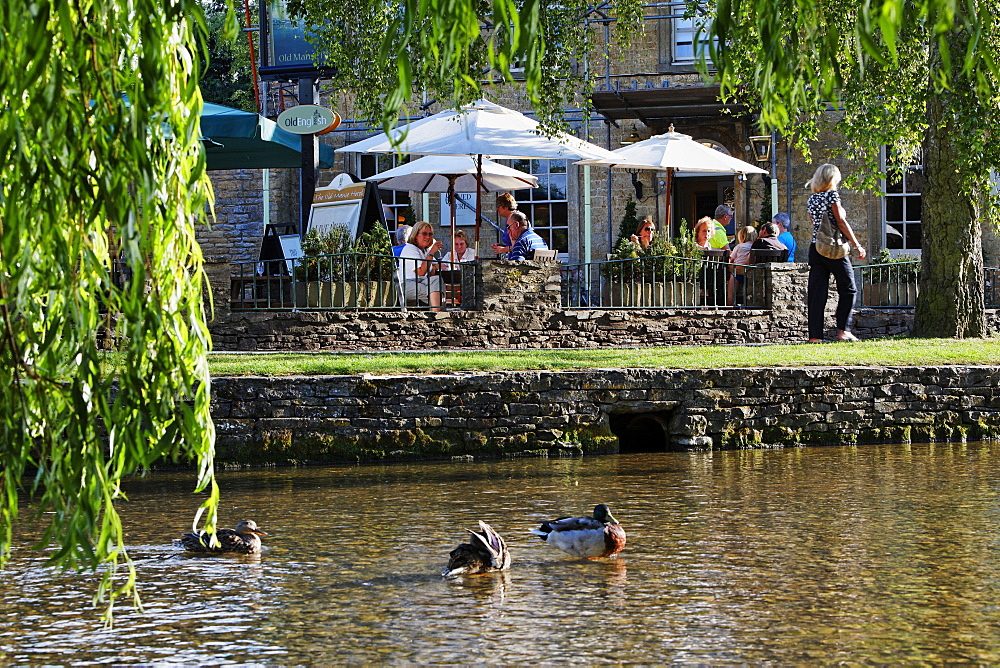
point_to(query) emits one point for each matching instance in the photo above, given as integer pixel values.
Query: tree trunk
(951, 272)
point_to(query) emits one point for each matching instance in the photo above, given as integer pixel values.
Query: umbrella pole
(668, 191)
(451, 192)
(479, 198)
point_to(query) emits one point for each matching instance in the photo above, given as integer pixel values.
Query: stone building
(651, 87)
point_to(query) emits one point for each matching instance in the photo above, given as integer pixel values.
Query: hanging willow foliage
(103, 181)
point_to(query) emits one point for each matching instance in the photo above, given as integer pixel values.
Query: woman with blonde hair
(703, 230)
(825, 201)
(417, 266)
(461, 252)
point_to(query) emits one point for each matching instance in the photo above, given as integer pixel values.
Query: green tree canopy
(920, 77)
(388, 54)
(227, 76)
(104, 179)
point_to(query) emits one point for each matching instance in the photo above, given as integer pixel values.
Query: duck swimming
(485, 553)
(241, 540)
(589, 537)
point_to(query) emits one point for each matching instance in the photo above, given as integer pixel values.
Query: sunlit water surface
(885, 554)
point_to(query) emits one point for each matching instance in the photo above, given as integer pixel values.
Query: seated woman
(714, 234)
(417, 267)
(740, 257)
(461, 252)
(644, 232)
(703, 230)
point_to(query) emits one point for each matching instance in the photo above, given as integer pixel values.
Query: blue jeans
(820, 269)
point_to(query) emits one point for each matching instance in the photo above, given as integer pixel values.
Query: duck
(241, 540)
(485, 553)
(588, 537)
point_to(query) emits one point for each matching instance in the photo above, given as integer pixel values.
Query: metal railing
(660, 282)
(896, 285)
(351, 281)
(891, 285)
(991, 293)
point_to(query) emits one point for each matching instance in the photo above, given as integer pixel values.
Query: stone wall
(235, 233)
(520, 308)
(368, 418)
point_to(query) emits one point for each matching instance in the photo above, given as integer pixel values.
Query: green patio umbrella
(237, 139)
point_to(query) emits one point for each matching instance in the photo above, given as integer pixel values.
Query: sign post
(286, 55)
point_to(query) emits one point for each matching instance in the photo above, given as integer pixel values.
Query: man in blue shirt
(784, 222)
(524, 242)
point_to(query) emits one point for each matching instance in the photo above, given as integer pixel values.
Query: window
(901, 207)
(546, 206)
(684, 40)
(678, 36)
(393, 201)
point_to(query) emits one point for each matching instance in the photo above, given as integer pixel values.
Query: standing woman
(826, 200)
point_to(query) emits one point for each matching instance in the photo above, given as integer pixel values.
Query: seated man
(785, 236)
(768, 239)
(524, 242)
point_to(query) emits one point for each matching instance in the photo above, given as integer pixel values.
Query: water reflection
(867, 554)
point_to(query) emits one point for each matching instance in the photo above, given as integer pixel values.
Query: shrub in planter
(324, 255)
(375, 259)
(664, 262)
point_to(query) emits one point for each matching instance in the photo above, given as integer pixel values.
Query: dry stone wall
(544, 413)
(520, 308)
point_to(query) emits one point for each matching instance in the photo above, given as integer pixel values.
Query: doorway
(697, 196)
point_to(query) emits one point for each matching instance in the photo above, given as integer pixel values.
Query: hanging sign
(308, 119)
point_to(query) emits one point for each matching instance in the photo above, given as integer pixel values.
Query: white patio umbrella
(453, 174)
(459, 173)
(480, 129)
(674, 152)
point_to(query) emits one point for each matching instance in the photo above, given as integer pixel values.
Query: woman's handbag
(830, 241)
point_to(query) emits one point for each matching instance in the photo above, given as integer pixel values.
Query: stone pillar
(218, 273)
(521, 284)
(786, 297)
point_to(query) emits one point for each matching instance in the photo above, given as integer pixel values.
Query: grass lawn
(882, 352)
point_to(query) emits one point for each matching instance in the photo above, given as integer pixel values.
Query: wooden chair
(545, 255)
(763, 256)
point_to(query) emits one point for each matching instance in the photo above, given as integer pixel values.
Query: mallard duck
(242, 540)
(590, 537)
(485, 553)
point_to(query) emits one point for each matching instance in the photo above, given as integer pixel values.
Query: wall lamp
(632, 138)
(761, 146)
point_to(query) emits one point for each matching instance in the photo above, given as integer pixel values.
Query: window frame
(400, 198)
(907, 190)
(528, 202)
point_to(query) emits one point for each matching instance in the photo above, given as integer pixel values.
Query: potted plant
(890, 280)
(660, 275)
(619, 273)
(678, 267)
(321, 272)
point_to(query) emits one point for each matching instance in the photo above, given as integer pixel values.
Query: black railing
(662, 282)
(891, 285)
(992, 287)
(350, 281)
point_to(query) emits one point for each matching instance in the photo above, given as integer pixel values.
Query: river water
(869, 554)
